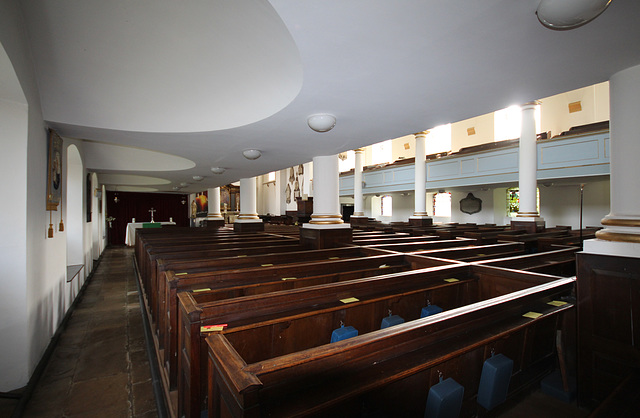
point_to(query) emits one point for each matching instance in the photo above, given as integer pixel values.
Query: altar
(130, 235)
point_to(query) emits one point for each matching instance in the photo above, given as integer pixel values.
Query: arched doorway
(74, 222)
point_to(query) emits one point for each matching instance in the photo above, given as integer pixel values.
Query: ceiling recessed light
(217, 170)
(197, 178)
(183, 184)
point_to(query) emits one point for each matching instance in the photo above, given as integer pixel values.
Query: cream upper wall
(554, 114)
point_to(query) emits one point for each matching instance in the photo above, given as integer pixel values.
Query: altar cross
(152, 210)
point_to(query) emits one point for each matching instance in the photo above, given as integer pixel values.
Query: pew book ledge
(366, 372)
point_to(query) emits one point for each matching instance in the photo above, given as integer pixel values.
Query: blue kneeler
(444, 400)
(390, 321)
(430, 310)
(343, 333)
(494, 381)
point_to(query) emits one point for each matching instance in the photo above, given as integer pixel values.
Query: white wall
(35, 300)
(560, 205)
(13, 245)
(485, 216)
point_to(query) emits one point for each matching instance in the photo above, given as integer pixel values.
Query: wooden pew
(404, 292)
(230, 284)
(558, 262)
(148, 264)
(423, 245)
(388, 371)
(475, 253)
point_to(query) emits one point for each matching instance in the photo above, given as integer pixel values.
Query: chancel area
(259, 208)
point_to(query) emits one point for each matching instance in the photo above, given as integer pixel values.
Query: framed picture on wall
(54, 171)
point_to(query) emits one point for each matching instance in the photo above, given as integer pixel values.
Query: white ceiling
(204, 80)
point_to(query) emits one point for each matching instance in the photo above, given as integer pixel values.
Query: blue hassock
(430, 310)
(391, 320)
(343, 333)
(444, 400)
(494, 381)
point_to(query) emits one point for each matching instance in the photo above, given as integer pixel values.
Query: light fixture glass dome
(217, 170)
(197, 178)
(321, 122)
(569, 14)
(251, 154)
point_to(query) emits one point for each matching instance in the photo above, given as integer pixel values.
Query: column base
(245, 226)
(606, 307)
(420, 220)
(529, 225)
(213, 223)
(318, 237)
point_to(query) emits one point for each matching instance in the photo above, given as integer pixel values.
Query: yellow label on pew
(334, 258)
(288, 278)
(384, 266)
(201, 290)
(556, 303)
(349, 300)
(532, 315)
(481, 254)
(267, 265)
(451, 280)
(242, 255)
(211, 328)
(181, 274)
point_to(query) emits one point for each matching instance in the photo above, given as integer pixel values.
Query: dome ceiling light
(321, 122)
(251, 154)
(569, 14)
(218, 170)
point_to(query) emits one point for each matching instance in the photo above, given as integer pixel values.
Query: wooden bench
(387, 371)
(475, 253)
(558, 262)
(285, 314)
(230, 284)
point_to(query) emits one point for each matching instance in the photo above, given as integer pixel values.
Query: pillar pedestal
(530, 225)
(318, 237)
(417, 220)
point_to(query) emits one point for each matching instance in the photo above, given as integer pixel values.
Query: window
(513, 201)
(507, 123)
(381, 152)
(271, 176)
(386, 206)
(346, 161)
(438, 140)
(442, 204)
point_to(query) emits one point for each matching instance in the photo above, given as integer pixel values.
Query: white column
(528, 168)
(621, 233)
(420, 205)
(214, 204)
(248, 211)
(326, 194)
(358, 200)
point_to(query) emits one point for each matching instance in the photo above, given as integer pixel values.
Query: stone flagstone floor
(100, 366)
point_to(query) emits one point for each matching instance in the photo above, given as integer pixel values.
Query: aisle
(100, 366)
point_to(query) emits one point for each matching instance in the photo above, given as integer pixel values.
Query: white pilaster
(621, 235)
(420, 205)
(248, 206)
(326, 194)
(358, 199)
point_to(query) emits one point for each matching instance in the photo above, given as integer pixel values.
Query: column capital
(423, 133)
(358, 150)
(532, 103)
